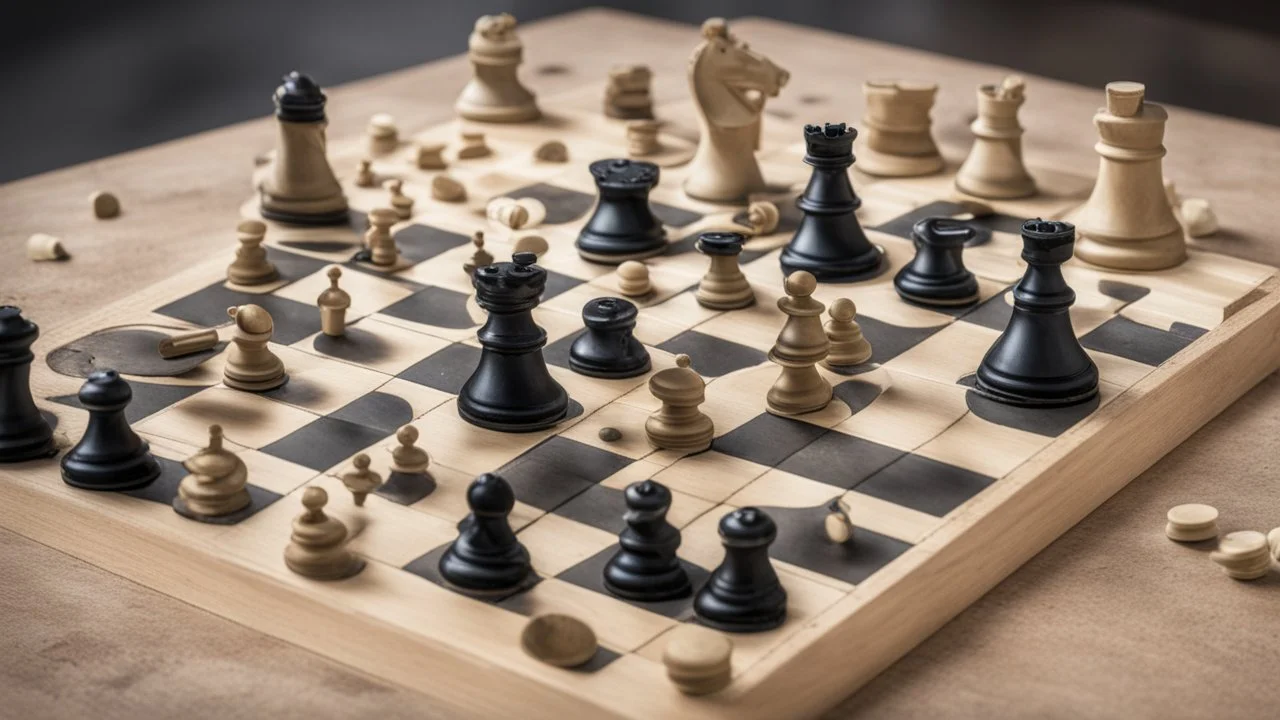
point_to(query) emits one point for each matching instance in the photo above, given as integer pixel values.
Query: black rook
(623, 227)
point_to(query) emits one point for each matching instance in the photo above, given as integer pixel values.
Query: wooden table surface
(1112, 620)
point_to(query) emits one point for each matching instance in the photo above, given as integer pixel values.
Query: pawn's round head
(800, 283)
(633, 270)
(361, 462)
(251, 318)
(491, 494)
(407, 435)
(843, 310)
(252, 229)
(215, 436)
(314, 498)
(682, 361)
(477, 238)
(647, 495)
(395, 185)
(334, 273)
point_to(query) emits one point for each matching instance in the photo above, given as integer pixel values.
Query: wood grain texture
(1060, 124)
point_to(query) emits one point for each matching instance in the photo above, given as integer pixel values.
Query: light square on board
(557, 543)
(369, 293)
(374, 344)
(247, 419)
(948, 355)
(908, 413)
(320, 384)
(710, 475)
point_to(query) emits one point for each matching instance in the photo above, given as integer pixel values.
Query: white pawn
(848, 345)
(251, 266)
(361, 481)
(401, 203)
(333, 303)
(633, 279)
(679, 424)
(801, 345)
(378, 238)
(495, 93)
(318, 545)
(250, 364)
(216, 484)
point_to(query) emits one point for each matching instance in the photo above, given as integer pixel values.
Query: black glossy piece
(24, 433)
(936, 275)
(487, 557)
(623, 227)
(721, 243)
(744, 594)
(608, 349)
(299, 99)
(646, 567)
(511, 389)
(830, 242)
(1038, 361)
(110, 455)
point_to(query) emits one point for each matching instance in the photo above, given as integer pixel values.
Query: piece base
(823, 270)
(879, 164)
(1158, 253)
(1008, 398)
(333, 217)
(255, 386)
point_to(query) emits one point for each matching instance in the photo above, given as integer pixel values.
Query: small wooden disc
(610, 434)
(1192, 522)
(698, 659)
(559, 640)
(1273, 540)
(105, 205)
(535, 244)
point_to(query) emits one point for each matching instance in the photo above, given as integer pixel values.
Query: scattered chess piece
(430, 156)
(1243, 555)
(409, 480)
(623, 226)
(627, 96)
(801, 345)
(830, 243)
(187, 343)
(379, 239)
(479, 257)
(105, 205)
(361, 481)
(898, 141)
(762, 217)
(110, 455)
(849, 347)
(535, 244)
(1198, 217)
(1127, 223)
(250, 364)
(994, 167)
(559, 640)
(473, 146)
(633, 279)
(1037, 360)
(642, 138)
(551, 151)
(42, 247)
(679, 425)
(837, 525)
(382, 133)
(302, 189)
(24, 433)
(1273, 539)
(608, 349)
(318, 545)
(511, 389)
(446, 189)
(487, 557)
(1192, 523)
(698, 660)
(494, 93)
(401, 203)
(724, 167)
(507, 212)
(251, 266)
(365, 176)
(936, 276)
(536, 209)
(216, 484)
(743, 593)
(723, 287)
(333, 302)
(646, 568)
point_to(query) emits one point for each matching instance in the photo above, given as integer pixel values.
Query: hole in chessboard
(132, 350)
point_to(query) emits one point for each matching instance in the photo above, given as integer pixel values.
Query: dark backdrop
(83, 80)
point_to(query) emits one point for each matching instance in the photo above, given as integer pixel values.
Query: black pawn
(1037, 360)
(487, 557)
(830, 242)
(646, 568)
(511, 389)
(24, 433)
(743, 593)
(623, 227)
(110, 455)
(936, 276)
(608, 349)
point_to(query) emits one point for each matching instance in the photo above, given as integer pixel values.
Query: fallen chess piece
(430, 156)
(105, 205)
(507, 212)
(559, 640)
(42, 247)
(837, 525)
(473, 146)
(187, 343)
(762, 217)
(361, 480)
(216, 483)
(446, 189)
(383, 135)
(1198, 217)
(535, 244)
(1243, 555)
(318, 545)
(551, 151)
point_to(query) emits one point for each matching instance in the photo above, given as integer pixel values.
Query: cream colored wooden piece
(365, 176)
(251, 266)
(446, 189)
(401, 203)
(383, 135)
(300, 180)
(1198, 217)
(333, 303)
(105, 205)
(41, 246)
(994, 167)
(802, 344)
(251, 365)
(698, 659)
(187, 343)
(678, 424)
(559, 640)
(1193, 522)
(507, 212)
(318, 545)
(217, 479)
(762, 215)
(837, 524)
(495, 93)
(896, 138)
(535, 244)
(1273, 540)
(633, 279)
(627, 93)
(473, 146)
(378, 238)
(552, 151)
(849, 346)
(479, 257)
(430, 156)
(360, 480)
(642, 138)
(1128, 224)
(729, 84)
(407, 457)
(1243, 555)
(723, 286)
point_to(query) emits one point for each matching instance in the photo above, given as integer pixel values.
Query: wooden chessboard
(949, 492)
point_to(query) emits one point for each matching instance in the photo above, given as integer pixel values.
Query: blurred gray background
(83, 80)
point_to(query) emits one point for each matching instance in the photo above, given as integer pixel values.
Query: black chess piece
(646, 567)
(487, 556)
(830, 242)
(1037, 360)
(24, 433)
(608, 349)
(936, 276)
(623, 227)
(110, 455)
(743, 593)
(511, 389)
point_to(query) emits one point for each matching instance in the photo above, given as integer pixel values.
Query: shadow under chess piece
(646, 568)
(744, 593)
(679, 425)
(936, 276)
(216, 485)
(801, 345)
(487, 557)
(302, 189)
(729, 84)
(318, 545)
(724, 286)
(250, 364)
(608, 349)
(251, 266)
(1037, 361)
(898, 141)
(24, 433)
(623, 226)
(494, 93)
(110, 455)
(994, 169)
